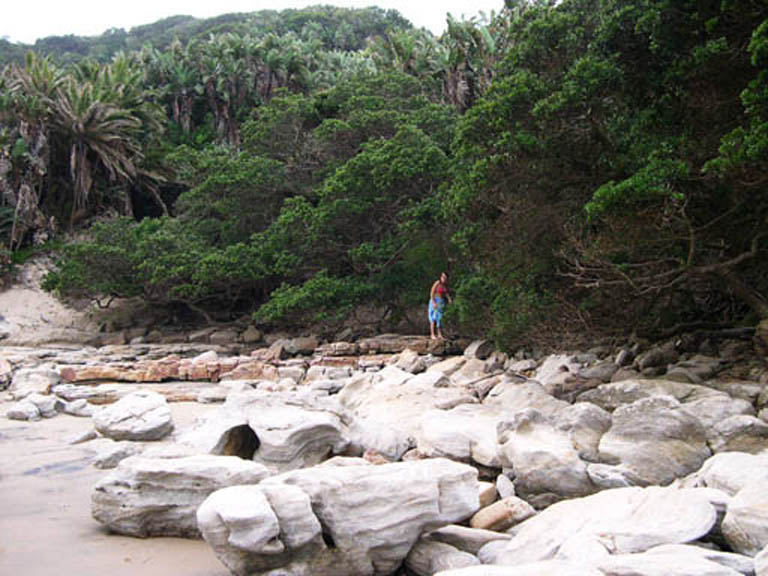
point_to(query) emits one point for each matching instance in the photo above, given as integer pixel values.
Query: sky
(27, 20)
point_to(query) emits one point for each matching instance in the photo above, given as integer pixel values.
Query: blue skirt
(436, 312)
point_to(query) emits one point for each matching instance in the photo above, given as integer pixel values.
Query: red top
(441, 289)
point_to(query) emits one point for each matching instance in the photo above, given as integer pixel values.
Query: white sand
(37, 317)
(45, 520)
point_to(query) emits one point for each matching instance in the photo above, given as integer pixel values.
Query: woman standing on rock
(437, 297)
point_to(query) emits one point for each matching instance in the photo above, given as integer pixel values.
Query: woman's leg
(432, 331)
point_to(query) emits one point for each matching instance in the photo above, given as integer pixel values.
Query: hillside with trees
(584, 167)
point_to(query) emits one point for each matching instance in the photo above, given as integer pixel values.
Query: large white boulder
(142, 415)
(745, 525)
(619, 521)
(655, 441)
(349, 520)
(159, 496)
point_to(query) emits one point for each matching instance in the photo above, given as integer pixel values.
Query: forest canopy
(585, 165)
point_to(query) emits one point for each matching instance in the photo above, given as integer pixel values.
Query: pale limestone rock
(410, 361)
(655, 441)
(160, 496)
(550, 568)
(504, 486)
(761, 563)
(141, 415)
(336, 520)
(449, 365)
(80, 408)
(730, 472)
(111, 453)
(585, 424)
(465, 433)
(740, 433)
(502, 515)
(623, 520)
(479, 349)
(466, 539)
(745, 526)
(48, 406)
(23, 410)
(546, 465)
(39, 379)
(281, 432)
(676, 562)
(611, 396)
(738, 562)
(712, 410)
(429, 557)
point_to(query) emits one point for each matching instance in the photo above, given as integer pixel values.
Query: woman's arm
(432, 292)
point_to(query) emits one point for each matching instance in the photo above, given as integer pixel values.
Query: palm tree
(100, 135)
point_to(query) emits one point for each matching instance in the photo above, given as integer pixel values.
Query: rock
(585, 424)
(466, 539)
(251, 335)
(665, 561)
(522, 366)
(546, 465)
(502, 515)
(659, 356)
(745, 526)
(39, 380)
(23, 410)
(160, 496)
(479, 349)
(339, 349)
(388, 407)
(504, 486)
(428, 557)
(223, 337)
(549, 568)
(410, 361)
(740, 433)
(486, 493)
(555, 369)
(111, 454)
(138, 416)
(82, 437)
(605, 476)
(464, 433)
(655, 440)
(80, 408)
(258, 427)
(611, 396)
(624, 357)
(304, 345)
(741, 564)
(471, 371)
(622, 521)
(496, 362)
(48, 406)
(625, 374)
(252, 370)
(394, 344)
(730, 472)
(336, 520)
(714, 409)
(449, 365)
(761, 563)
(602, 371)
(6, 373)
(213, 395)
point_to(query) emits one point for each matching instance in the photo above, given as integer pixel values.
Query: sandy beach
(45, 520)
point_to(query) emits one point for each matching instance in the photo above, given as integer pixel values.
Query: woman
(437, 297)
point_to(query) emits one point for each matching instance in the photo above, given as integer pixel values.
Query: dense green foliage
(599, 164)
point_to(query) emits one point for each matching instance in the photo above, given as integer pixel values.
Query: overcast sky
(27, 20)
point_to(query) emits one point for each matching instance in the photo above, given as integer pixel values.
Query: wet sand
(45, 509)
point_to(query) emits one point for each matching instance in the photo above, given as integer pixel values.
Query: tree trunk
(746, 294)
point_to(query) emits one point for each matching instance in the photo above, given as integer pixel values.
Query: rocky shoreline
(401, 455)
